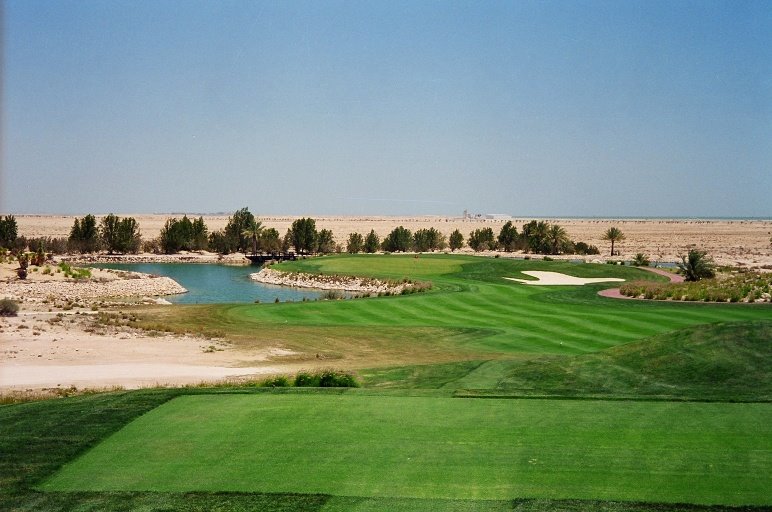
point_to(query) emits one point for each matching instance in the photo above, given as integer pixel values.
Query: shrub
(306, 380)
(332, 295)
(335, 379)
(276, 382)
(326, 379)
(8, 307)
(640, 260)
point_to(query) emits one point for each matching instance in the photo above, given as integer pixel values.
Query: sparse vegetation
(8, 307)
(729, 287)
(74, 272)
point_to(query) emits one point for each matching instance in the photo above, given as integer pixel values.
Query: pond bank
(328, 282)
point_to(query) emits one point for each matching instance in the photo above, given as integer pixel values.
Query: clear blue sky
(544, 108)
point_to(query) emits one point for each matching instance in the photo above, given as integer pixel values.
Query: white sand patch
(559, 279)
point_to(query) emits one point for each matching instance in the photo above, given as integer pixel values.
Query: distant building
(497, 216)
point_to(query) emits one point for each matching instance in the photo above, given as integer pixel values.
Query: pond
(211, 283)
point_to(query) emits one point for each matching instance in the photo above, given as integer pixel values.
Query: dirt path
(614, 293)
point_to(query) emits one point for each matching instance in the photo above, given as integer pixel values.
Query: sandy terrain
(747, 242)
(46, 350)
(57, 341)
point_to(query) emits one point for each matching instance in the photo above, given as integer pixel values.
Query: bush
(640, 260)
(276, 382)
(8, 307)
(334, 379)
(332, 295)
(325, 379)
(306, 380)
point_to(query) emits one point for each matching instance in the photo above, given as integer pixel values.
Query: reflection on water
(209, 283)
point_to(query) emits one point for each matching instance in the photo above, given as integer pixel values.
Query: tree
(8, 231)
(220, 243)
(613, 234)
(456, 240)
(355, 243)
(696, 265)
(129, 238)
(558, 239)
(428, 240)
(482, 239)
(199, 235)
(583, 248)
(108, 232)
(536, 236)
(304, 235)
(325, 242)
(84, 235)
(171, 237)
(372, 242)
(252, 233)
(270, 241)
(119, 235)
(508, 237)
(237, 230)
(182, 235)
(399, 240)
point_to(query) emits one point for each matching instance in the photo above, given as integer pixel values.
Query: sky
(527, 108)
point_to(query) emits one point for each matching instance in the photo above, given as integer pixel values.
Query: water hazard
(210, 283)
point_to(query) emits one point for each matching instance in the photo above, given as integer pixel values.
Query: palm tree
(253, 231)
(696, 265)
(613, 235)
(558, 238)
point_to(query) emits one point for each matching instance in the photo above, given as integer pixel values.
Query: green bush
(306, 380)
(276, 382)
(325, 379)
(8, 307)
(335, 379)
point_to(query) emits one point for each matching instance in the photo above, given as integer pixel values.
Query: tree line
(535, 237)
(244, 233)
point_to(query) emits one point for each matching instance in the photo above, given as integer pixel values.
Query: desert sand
(729, 242)
(42, 350)
(57, 341)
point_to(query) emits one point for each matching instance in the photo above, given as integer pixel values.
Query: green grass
(474, 333)
(727, 361)
(472, 313)
(438, 448)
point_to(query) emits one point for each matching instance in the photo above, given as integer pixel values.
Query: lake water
(209, 283)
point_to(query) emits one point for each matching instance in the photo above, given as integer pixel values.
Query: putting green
(427, 447)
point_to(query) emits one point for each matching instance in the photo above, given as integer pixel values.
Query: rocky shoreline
(329, 282)
(183, 257)
(139, 286)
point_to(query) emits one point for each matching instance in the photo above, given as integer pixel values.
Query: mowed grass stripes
(472, 293)
(421, 447)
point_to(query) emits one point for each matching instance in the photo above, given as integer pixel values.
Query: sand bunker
(558, 279)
